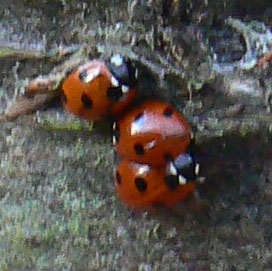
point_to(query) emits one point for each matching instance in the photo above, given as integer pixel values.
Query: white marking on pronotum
(125, 89)
(114, 81)
(182, 180)
(91, 75)
(117, 60)
(197, 169)
(113, 140)
(143, 170)
(192, 135)
(172, 169)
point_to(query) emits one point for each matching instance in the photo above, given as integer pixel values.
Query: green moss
(51, 124)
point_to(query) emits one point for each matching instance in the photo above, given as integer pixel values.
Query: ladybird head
(185, 167)
(123, 72)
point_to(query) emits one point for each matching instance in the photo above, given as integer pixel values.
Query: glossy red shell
(142, 186)
(88, 97)
(153, 133)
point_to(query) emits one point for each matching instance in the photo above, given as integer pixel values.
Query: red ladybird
(152, 133)
(99, 89)
(142, 186)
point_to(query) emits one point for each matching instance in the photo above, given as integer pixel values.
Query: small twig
(56, 53)
(43, 89)
(26, 106)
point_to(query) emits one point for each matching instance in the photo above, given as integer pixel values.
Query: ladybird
(152, 133)
(142, 186)
(99, 89)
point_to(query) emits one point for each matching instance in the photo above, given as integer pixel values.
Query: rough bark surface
(58, 206)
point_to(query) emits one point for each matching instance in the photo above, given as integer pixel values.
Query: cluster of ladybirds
(152, 138)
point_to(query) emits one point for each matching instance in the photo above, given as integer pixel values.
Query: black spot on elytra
(87, 101)
(116, 133)
(83, 75)
(141, 184)
(139, 149)
(114, 93)
(138, 116)
(118, 178)
(172, 182)
(168, 112)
